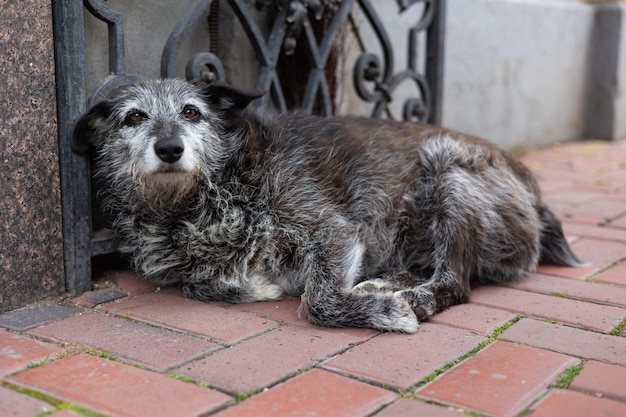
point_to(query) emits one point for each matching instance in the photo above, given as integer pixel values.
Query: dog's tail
(554, 247)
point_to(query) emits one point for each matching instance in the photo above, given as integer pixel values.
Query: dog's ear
(229, 101)
(85, 132)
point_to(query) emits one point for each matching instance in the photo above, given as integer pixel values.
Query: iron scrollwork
(374, 79)
(381, 78)
(117, 61)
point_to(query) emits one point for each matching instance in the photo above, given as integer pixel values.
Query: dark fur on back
(374, 223)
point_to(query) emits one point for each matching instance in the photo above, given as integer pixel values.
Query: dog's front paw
(421, 301)
(405, 320)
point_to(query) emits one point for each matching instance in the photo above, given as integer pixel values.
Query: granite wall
(31, 242)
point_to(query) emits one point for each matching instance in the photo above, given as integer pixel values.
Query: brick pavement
(551, 345)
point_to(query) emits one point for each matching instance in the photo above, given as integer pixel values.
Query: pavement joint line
(482, 345)
(368, 381)
(565, 379)
(314, 365)
(89, 350)
(617, 330)
(567, 296)
(432, 401)
(57, 404)
(590, 278)
(169, 371)
(163, 326)
(569, 325)
(243, 396)
(189, 380)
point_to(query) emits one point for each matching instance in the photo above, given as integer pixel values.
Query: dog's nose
(169, 150)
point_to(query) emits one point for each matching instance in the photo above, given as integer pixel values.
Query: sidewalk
(552, 345)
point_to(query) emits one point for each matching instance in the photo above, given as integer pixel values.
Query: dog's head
(160, 133)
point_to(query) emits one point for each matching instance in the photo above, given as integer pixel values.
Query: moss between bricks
(492, 338)
(57, 404)
(467, 412)
(188, 380)
(565, 379)
(242, 396)
(37, 364)
(101, 354)
(560, 294)
(617, 330)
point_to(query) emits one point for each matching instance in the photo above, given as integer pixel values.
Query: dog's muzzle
(169, 150)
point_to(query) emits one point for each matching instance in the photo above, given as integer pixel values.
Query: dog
(374, 223)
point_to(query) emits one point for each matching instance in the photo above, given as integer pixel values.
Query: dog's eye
(135, 116)
(190, 112)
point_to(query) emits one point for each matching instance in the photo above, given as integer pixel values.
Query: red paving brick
(602, 379)
(403, 360)
(15, 404)
(573, 404)
(614, 275)
(498, 379)
(269, 358)
(619, 222)
(609, 208)
(134, 284)
(208, 319)
(112, 387)
(589, 315)
(17, 352)
(577, 195)
(568, 340)
(474, 317)
(285, 310)
(156, 348)
(288, 311)
(315, 393)
(598, 232)
(564, 211)
(413, 408)
(593, 291)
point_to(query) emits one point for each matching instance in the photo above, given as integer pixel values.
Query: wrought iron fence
(290, 28)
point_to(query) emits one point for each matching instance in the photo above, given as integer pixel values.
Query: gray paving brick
(29, 317)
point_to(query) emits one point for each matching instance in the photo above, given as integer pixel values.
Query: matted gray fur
(374, 223)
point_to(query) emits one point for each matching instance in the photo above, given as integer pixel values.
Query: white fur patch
(263, 289)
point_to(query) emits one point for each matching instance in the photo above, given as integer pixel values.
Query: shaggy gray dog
(374, 223)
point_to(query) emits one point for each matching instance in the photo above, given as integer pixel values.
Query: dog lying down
(374, 223)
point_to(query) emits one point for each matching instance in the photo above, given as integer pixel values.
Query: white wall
(516, 72)
(620, 91)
